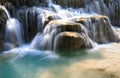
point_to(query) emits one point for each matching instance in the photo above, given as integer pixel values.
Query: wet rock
(99, 28)
(3, 19)
(50, 36)
(49, 16)
(57, 26)
(71, 41)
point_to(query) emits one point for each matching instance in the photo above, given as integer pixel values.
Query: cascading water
(60, 39)
(13, 33)
(38, 19)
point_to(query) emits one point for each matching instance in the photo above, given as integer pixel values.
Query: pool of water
(28, 63)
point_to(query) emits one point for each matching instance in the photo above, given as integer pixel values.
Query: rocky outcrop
(99, 28)
(35, 19)
(3, 19)
(67, 42)
(75, 33)
(58, 31)
(29, 17)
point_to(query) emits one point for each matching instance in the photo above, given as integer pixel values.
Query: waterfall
(49, 3)
(44, 25)
(13, 33)
(50, 36)
(98, 27)
(13, 30)
(29, 19)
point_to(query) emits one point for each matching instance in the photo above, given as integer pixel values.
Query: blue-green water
(28, 63)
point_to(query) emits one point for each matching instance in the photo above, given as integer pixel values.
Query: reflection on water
(28, 63)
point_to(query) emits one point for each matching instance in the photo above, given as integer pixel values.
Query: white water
(13, 33)
(50, 3)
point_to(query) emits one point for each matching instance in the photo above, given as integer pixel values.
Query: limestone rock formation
(99, 28)
(58, 31)
(61, 34)
(67, 42)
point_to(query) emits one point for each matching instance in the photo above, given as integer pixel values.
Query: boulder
(71, 41)
(57, 26)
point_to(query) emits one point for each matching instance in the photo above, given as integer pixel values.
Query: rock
(57, 26)
(71, 41)
(3, 19)
(63, 25)
(109, 8)
(53, 33)
(99, 28)
(49, 16)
